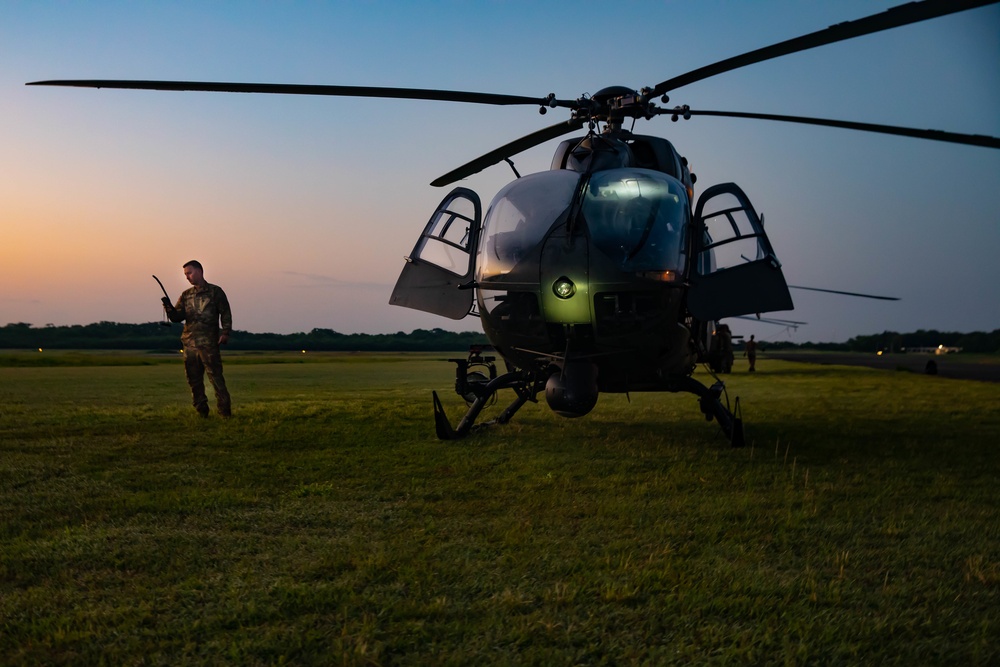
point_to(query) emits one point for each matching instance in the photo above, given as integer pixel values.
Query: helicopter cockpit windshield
(519, 218)
(637, 217)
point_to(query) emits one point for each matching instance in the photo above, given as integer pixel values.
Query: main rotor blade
(895, 17)
(936, 135)
(306, 89)
(505, 151)
(833, 291)
(770, 320)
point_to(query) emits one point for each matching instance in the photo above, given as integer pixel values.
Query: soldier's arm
(225, 316)
(175, 313)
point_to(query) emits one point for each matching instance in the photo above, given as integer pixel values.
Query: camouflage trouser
(198, 360)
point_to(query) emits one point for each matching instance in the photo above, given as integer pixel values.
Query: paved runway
(948, 366)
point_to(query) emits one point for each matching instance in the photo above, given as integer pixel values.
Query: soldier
(751, 354)
(201, 307)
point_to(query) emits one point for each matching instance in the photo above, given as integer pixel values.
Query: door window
(442, 259)
(736, 272)
(448, 235)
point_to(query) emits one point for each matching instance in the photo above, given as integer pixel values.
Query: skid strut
(515, 381)
(476, 381)
(479, 387)
(712, 407)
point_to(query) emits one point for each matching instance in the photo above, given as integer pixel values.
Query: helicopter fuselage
(582, 274)
(585, 271)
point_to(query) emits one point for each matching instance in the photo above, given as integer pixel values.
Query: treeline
(978, 342)
(155, 336)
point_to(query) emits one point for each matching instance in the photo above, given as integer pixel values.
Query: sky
(303, 208)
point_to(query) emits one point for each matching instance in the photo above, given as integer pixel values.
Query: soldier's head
(194, 273)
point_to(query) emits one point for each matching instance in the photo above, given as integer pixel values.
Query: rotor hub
(615, 103)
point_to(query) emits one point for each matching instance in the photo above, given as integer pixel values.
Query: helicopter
(603, 274)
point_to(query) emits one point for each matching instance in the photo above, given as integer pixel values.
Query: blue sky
(303, 207)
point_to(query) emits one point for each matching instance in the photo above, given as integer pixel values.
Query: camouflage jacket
(201, 309)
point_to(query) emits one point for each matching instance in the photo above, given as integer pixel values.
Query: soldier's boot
(222, 401)
(200, 400)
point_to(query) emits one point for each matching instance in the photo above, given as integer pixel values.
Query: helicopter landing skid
(523, 386)
(712, 407)
(480, 386)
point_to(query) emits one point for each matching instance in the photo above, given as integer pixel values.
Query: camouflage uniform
(201, 309)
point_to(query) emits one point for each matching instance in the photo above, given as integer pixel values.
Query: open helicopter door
(443, 259)
(735, 269)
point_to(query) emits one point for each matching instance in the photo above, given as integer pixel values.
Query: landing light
(564, 288)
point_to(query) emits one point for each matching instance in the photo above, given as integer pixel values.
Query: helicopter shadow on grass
(639, 425)
(829, 431)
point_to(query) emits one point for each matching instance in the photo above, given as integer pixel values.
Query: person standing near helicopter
(751, 354)
(202, 308)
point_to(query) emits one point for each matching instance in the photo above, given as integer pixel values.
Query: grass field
(325, 524)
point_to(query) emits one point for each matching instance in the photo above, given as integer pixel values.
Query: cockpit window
(520, 216)
(637, 217)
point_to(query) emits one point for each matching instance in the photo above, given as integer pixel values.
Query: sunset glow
(302, 208)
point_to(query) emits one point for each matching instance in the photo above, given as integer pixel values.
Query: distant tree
(155, 336)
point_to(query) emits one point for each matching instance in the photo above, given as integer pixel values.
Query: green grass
(325, 524)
